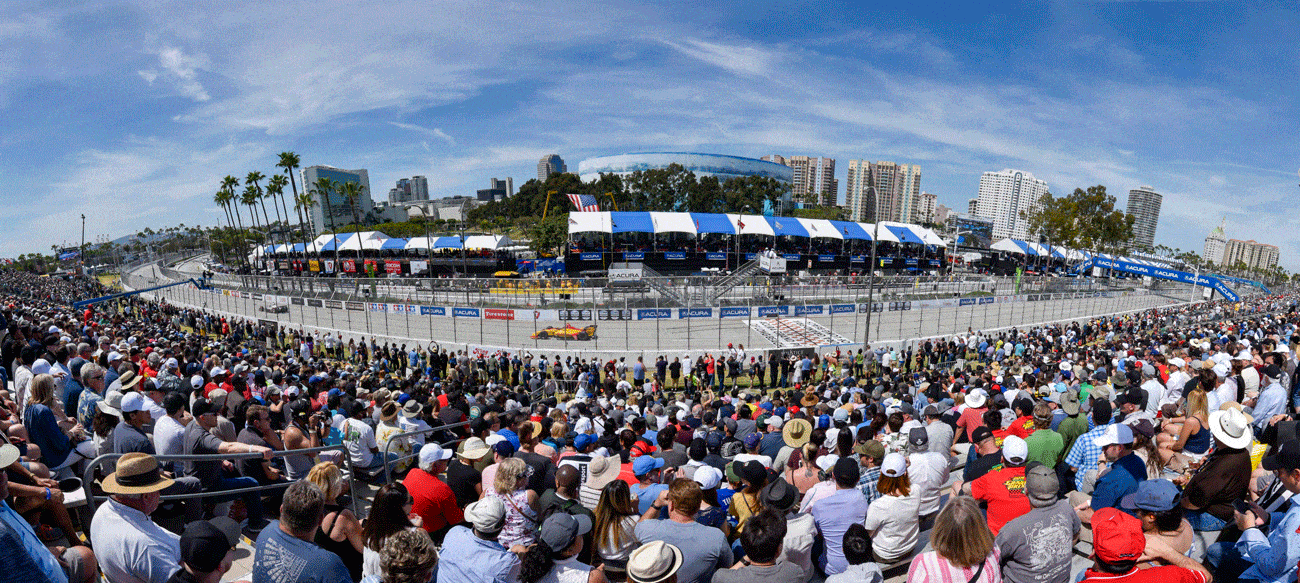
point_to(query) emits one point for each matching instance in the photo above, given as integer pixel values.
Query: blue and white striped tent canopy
(736, 224)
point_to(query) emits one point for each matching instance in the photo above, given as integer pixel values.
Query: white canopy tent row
(740, 224)
(1070, 256)
(375, 240)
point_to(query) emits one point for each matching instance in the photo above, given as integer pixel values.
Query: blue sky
(132, 112)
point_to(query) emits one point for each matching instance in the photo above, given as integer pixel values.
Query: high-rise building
(550, 164)
(1254, 255)
(335, 211)
(499, 190)
(419, 188)
(814, 179)
(1144, 205)
(884, 191)
(972, 206)
(924, 210)
(942, 213)
(1215, 244)
(415, 188)
(1004, 195)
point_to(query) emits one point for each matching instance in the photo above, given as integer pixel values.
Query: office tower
(336, 211)
(884, 191)
(1144, 205)
(814, 179)
(1215, 244)
(548, 165)
(1004, 195)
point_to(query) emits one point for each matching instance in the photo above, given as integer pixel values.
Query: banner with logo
(465, 312)
(654, 313)
(498, 314)
(774, 310)
(394, 267)
(329, 266)
(433, 311)
(350, 265)
(734, 312)
(808, 310)
(419, 266)
(314, 265)
(694, 313)
(540, 315)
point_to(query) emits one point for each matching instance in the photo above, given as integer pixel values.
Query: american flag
(585, 203)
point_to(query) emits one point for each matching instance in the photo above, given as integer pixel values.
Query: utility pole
(82, 249)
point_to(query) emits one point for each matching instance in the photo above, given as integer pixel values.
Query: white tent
(365, 240)
(820, 228)
(882, 232)
(672, 222)
(754, 225)
(487, 241)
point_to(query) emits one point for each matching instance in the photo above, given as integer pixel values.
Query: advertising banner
(394, 267)
(589, 256)
(583, 315)
(675, 256)
(350, 265)
(791, 256)
(634, 256)
(694, 313)
(986, 301)
(826, 258)
(314, 265)
(542, 315)
(774, 310)
(315, 303)
(334, 304)
(654, 313)
(498, 314)
(419, 266)
(750, 256)
(329, 266)
(614, 314)
(735, 312)
(843, 308)
(465, 312)
(433, 311)
(966, 302)
(715, 256)
(808, 310)
(296, 301)
(355, 306)
(375, 307)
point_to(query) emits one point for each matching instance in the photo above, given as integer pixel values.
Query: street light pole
(83, 240)
(871, 273)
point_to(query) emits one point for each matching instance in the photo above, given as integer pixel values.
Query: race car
(568, 332)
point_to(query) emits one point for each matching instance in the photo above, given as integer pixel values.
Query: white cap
(432, 452)
(894, 465)
(132, 402)
(826, 462)
(1177, 362)
(1115, 434)
(1015, 450)
(775, 422)
(196, 381)
(708, 477)
(494, 439)
(216, 370)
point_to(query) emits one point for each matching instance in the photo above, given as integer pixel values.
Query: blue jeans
(1204, 521)
(252, 500)
(1226, 562)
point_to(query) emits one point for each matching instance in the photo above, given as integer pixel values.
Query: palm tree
(249, 199)
(321, 190)
(229, 183)
(352, 191)
(253, 179)
(302, 203)
(289, 161)
(222, 198)
(274, 190)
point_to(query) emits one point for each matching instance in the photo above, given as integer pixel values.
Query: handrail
(88, 476)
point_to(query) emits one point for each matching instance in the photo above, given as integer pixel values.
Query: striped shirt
(932, 568)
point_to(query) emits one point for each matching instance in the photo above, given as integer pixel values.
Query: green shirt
(1071, 428)
(1045, 446)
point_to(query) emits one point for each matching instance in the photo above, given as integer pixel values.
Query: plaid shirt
(1084, 454)
(867, 483)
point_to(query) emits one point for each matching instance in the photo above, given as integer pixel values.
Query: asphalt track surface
(650, 338)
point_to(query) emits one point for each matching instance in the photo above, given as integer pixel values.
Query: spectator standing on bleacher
(130, 547)
(1038, 546)
(285, 551)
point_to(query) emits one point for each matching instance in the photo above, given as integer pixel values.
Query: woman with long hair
(893, 519)
(963, 547)
(615, 529)
(510, 485)
(389, 513)
(340, 532)
(1191, 440)
(60, 448)
(801, 469)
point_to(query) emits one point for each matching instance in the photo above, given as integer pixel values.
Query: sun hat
(412, 409)
(128, 380)
(809, 399)
(487, 515)
(796, 433)
(601, 471)
(654, 562)
(1232, 427)
(976, 399)
(1069, 402)
(474, 449)
(8, 454)
(111, 404)
(778, 494)
(137, 473)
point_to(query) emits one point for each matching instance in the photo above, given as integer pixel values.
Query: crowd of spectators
(1159, 445)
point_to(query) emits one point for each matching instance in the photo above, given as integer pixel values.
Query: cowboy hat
(129, 379)
(796, 432)
(474, 449)
(137, 473)
(1232, 427)
(809, 399)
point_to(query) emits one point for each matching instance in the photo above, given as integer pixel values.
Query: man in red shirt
(432, 499)
(1003, 488)
(1118, 543)
(973, 416)
(1023, 426)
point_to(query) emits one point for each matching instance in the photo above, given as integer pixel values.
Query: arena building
(723, 167)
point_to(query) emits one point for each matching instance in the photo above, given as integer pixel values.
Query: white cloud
(181, 70)
(435, 132)
(742, 59)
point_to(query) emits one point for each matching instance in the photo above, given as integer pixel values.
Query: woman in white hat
(1224, 477)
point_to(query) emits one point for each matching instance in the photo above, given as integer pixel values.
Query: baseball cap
(775, 422)
(1152, 496)
(204, 543)
(432, 452)
(1117, 536)
(646, 464)
(1286, 457)
(847, 467)
(1115, 434)
(752, 472)
(1041, 482)
(487, 515)
(917, 437)
(980, 434)
(1014, 450)
(708, 477)
(895, 465)
(751, 440)
(504, 447)
(132, 402)
(560, 529)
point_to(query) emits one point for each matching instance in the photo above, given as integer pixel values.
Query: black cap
(753, 472)
(205, 543)
(980, 434)
(202, 407)
(1272, 371)
(847, 468)
(917, 437)
(1285, 457)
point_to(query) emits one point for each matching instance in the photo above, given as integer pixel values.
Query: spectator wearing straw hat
(21, 551)
(129, 546)
(655, 562)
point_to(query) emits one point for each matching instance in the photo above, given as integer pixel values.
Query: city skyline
(140, 110)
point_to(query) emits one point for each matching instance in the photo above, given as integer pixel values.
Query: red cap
(1117, 536)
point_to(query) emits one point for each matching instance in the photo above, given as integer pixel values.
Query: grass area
(112, 280)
